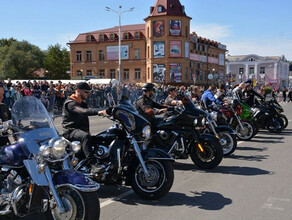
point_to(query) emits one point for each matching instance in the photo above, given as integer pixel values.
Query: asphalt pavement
(253, 183)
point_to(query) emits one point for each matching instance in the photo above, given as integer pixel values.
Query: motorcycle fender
(225, 128)
(75, 180)
(208, 137)
(156, 154)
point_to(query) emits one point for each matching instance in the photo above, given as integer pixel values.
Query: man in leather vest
(75, 118)
(146, 106)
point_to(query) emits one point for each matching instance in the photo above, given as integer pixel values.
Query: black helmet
(148, 87)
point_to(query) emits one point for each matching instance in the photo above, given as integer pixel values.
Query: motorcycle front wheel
(78, 205)
(248, 131)
(157, 184)
(211, 156)
(228, 142)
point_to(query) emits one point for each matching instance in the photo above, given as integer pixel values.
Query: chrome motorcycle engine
(163, 135)
(102, 152)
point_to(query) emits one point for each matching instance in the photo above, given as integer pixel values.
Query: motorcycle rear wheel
(285, 120)
(275, 125)
(210, 158)
(157, 184)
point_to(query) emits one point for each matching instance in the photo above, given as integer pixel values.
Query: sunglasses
(86, 91)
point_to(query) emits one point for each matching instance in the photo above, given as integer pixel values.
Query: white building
(269, 70)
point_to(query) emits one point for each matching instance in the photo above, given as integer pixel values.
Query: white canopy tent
(66, 81)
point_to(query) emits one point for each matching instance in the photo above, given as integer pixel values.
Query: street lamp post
(213, 71)
(119, 13)
(240, 75)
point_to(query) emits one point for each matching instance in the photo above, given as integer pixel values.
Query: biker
(172, 95)
(220, 94)
(75, 118)
(5, 115)
(237, 92)
(208, 97)
(146, 106)
(249, 94)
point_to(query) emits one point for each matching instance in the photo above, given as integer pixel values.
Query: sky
(261, 27)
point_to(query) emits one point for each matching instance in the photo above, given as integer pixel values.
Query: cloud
(267, 47)
(212, 31)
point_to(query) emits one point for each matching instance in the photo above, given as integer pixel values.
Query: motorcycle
(121, 156)
(179, 135)
(226, 135)
(268, 116)
(230, 115)
(36, 172)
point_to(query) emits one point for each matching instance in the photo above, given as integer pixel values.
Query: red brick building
(161, 50)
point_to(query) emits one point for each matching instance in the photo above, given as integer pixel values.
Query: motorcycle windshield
(190, 107)
(32, 120)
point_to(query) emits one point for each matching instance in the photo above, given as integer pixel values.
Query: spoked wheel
(247, 132)
(210, 156)
(228, 142)
(157, 183)
(78, 205)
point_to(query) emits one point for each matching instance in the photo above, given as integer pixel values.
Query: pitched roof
(169, 7)
(240, 58)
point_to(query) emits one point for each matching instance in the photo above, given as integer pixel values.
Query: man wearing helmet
(146, 106)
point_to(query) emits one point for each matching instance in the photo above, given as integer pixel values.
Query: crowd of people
(53, 94)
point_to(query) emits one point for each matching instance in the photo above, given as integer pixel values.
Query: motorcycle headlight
(146, 132)
(76, 146)
(195, 122)
(45, 150)
(59, 148)
(203, 122)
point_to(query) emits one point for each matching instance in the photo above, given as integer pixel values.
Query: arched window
(112, 36)
(101, 37)
(251, 59)
(137, 35)
(126, 37)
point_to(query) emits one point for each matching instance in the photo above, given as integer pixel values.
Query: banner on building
(213, 60)
(175, 28)
(112, 52)
(187, 49)
(198, 57)
(175, 48)
(159, 73)
(158, 28)
(158, 49)
(175, 72)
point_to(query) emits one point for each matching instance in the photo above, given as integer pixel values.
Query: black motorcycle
(267, 115)
(121, 156)
(179, 135)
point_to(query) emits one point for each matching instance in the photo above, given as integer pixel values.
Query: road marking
(290, 120)
(240, 142)
(110, 201)
(271, 201)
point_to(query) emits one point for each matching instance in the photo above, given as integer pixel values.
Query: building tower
(167, 43)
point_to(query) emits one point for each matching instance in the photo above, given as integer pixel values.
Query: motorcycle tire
(285, 120)
(249, 131)
(275, 125)
(210, 158)
(229, 142)
(81, 205)
(157, 184)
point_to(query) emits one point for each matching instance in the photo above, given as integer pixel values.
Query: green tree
(57, 62)
(19, 59)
